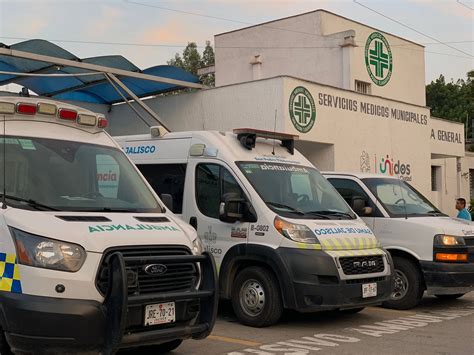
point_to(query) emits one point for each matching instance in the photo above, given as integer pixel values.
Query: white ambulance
(281, 235)
(90, 260)
(430, 250)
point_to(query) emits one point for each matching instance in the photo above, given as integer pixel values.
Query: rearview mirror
(236, 209)
(358, 205)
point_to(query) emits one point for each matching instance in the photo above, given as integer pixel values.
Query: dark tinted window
(167, 179)
(349, 189)
(213, 184)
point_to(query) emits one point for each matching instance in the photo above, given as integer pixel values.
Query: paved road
(434, 327)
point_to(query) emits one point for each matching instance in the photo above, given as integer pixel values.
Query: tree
(191, 60)
(453, 100)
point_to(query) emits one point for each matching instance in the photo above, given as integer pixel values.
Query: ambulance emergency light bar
(248, 137)
(48, 109)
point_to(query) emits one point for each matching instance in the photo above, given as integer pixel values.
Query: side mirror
(236, 209)
(358, 205)
(167, 200)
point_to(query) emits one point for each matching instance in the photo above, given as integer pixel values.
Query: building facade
(355, 95)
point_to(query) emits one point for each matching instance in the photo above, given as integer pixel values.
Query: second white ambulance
(281, 235)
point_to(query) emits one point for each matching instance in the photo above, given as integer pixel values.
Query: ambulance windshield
(50, 174)
(296, 191)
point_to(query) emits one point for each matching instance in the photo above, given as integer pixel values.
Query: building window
(362, 87)
(435, 178)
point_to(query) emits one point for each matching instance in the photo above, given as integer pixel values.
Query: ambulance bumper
(35, 324)
(317, 285)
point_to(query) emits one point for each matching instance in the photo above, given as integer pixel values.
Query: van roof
(20, 108)
(358, 175)
(227, 145)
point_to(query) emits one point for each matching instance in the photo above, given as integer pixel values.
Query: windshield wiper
(30, 202)
(435, 213)
(330, 213)
(291, 209)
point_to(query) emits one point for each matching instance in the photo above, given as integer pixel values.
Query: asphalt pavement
(434, 327)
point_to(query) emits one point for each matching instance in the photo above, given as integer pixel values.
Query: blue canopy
(90, 88)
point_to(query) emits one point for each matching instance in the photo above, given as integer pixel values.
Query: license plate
(369, 290)
(160, 313)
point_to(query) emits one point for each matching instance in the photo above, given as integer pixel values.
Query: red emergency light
(25, 108)
(103, 123)
(67, 114)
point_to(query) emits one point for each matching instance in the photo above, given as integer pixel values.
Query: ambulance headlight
(297, 232)
(36, 251)
(197, 246)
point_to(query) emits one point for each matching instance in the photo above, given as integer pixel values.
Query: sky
(150, 32)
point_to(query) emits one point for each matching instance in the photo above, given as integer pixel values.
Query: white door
(212, 182)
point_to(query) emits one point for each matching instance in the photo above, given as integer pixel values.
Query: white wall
(309, 46)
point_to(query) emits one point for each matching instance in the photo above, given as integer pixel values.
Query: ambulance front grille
(357, 265)
(178, 276)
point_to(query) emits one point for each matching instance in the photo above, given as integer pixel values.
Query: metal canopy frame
(109, 73)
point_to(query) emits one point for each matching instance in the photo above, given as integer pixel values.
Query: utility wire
(411, 28)
(465, 5)
(400, 46)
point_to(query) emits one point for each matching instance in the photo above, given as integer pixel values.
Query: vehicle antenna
(274, 132)
(4, 200)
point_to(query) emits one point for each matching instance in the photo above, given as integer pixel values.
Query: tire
(450, 297)
(164, 348)
(256, 297)
(408, 288)
(352, 310)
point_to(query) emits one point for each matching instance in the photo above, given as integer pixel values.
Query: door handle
(193, 222)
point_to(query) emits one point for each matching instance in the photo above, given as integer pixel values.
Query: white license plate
(369, 290)
(160, 313)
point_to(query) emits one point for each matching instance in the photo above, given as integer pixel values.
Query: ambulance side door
(212, 182)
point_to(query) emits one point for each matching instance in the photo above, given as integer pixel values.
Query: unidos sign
(378, 59)
(302, 109)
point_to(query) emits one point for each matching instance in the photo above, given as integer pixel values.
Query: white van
(281, 235)
(430, 250)
(90, 260)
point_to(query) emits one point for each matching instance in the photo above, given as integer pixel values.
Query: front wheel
(408, 288)
(450, 297)
(256, 297)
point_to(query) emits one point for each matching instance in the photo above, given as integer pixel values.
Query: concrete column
(256, 67)
(347, 58)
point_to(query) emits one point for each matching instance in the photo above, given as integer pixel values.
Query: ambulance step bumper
(35, 324)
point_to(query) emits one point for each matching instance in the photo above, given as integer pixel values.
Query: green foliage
(452, 100)
(191, 60)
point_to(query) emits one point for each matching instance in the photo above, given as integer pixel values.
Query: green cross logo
(302, 109)
(378, 59)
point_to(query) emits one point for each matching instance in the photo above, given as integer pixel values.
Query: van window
(295, 191)
(400, 199)
(167, 179)
(213, 184)
(349, 189)
(72, 176)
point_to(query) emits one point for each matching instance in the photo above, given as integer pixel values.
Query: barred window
(362, 87)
